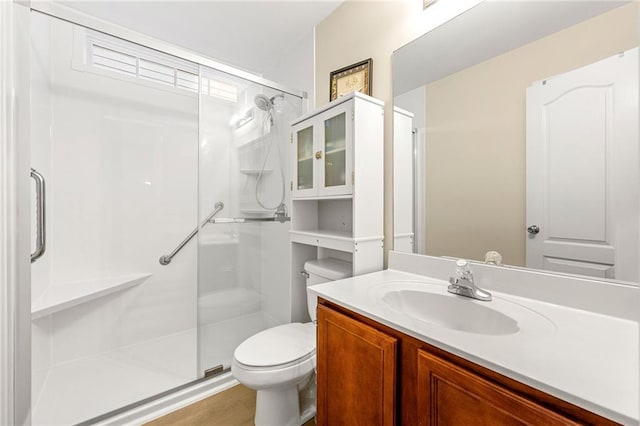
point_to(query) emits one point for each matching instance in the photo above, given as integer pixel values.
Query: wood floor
(233, 407)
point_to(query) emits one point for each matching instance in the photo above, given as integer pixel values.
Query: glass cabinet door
(335, 148)
(304, 159)
(322, 154)
(336, 141)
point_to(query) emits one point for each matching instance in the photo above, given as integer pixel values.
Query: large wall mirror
(516, 131)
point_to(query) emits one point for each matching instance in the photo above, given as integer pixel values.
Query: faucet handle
(462, 267)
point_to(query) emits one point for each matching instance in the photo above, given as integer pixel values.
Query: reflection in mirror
(403, 182)
(527, 117)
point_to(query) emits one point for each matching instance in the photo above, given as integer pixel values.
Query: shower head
(264, 102)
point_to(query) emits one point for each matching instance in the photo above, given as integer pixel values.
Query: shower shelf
(64, 296)
(255, 211)
(254, 141)
(255, 172)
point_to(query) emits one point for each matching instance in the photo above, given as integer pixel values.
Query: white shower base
(88, 387)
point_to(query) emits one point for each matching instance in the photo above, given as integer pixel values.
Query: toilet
(279, 363)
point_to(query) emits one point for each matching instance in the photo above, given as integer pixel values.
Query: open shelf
(337, 240)
(64, 296)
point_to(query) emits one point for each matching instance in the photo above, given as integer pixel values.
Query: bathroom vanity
(515, 360)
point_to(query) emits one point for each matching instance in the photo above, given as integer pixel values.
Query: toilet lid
(278, 345)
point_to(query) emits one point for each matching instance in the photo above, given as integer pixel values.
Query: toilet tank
(321, 271)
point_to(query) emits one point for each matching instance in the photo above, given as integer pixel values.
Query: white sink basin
(434, 305)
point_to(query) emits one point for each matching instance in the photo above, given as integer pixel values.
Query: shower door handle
(41, 236)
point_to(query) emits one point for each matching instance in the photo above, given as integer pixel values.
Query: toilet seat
(278, 347)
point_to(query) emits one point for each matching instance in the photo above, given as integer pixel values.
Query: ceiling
(251, 35)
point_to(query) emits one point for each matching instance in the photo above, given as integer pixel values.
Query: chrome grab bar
(41, 236)
(166, 259)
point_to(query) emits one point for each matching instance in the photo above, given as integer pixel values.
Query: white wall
(413, 101)
(375, 29)
(295, 68)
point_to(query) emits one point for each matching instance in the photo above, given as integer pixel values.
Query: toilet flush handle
(304, 273)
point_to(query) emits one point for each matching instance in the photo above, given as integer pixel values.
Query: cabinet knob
(318, 155)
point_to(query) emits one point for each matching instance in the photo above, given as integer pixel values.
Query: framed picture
(356, 77)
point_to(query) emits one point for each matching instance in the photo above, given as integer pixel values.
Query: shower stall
(159, 227)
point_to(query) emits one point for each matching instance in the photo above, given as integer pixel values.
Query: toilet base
(288, 406)
(277, 407)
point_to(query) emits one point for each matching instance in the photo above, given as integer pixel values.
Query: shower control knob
(533, 229)
(318, 155)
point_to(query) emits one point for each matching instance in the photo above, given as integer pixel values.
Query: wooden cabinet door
(451, 395)
(356, 372)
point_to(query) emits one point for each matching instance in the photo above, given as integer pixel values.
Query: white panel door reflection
(582, 170)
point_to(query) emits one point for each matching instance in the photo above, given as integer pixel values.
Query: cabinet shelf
(335, 151)
(336, 240)
(328, 152)
(323, 197)
(327, 233)
(59, 297)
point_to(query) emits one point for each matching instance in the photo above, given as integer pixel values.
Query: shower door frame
(15, 264)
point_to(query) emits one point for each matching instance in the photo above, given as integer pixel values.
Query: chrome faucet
(463, 284)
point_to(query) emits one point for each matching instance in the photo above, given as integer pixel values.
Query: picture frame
(356, 77)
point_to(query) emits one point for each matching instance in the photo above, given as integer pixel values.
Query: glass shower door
(243, 264)
(115, 135)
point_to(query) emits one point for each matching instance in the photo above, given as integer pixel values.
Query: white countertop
(586, 358)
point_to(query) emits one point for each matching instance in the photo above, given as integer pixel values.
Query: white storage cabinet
(337, 186)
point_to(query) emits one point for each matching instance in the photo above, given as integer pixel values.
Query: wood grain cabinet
(356, 372)
(371, 374)
(451, 395)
